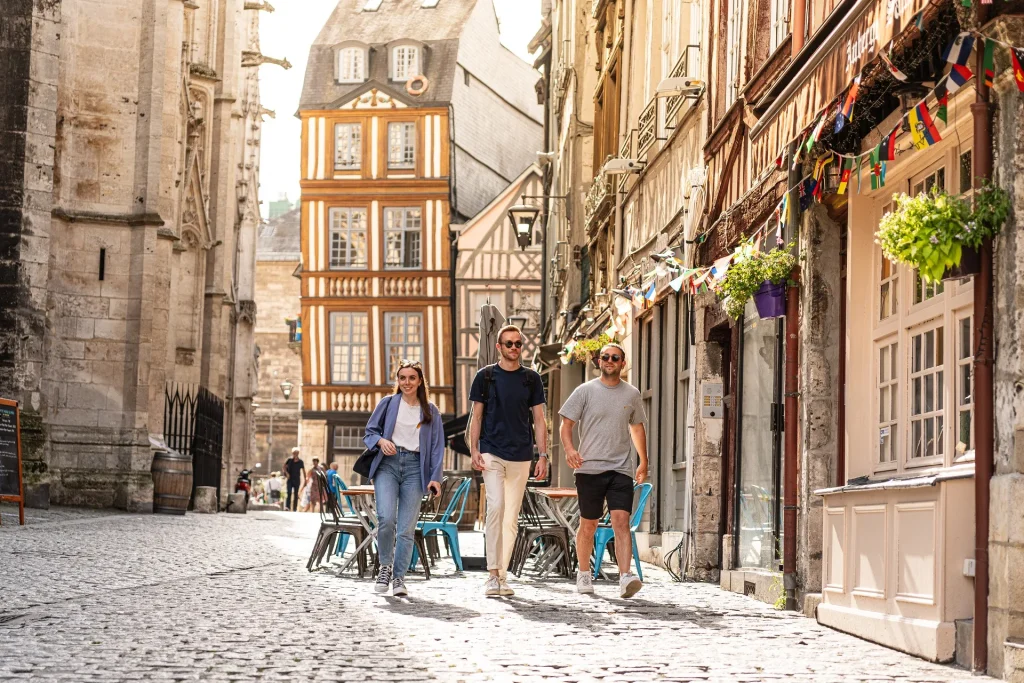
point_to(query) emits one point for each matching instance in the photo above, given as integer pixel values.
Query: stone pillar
(819, 385)
(30, 46)
(1006, 530)
(709, 442)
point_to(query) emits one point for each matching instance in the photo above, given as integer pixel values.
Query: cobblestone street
(101, 596)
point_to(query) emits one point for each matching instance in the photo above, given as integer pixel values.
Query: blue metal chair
(605, 533)
(448, 523)
(343, 538)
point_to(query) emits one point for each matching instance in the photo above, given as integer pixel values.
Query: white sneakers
(584, 582)
(629, 585)
(495, 587)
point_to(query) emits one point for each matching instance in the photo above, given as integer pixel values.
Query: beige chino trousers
(506, 482)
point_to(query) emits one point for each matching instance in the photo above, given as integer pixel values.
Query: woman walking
(409, 464)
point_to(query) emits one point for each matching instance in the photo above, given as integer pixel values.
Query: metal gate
(194, 425)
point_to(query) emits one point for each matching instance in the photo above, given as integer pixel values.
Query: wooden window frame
(335, 316)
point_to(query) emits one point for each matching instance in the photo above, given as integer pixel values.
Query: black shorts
(595, 489)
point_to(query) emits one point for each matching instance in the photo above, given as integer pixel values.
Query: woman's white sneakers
(399, 589)
(629, 585)
(493, 587)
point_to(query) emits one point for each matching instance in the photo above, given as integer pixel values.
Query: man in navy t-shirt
(295, 470)
(505, 397)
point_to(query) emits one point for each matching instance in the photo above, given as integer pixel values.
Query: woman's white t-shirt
(407, 426)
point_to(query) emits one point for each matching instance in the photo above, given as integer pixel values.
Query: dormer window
(405, 62)
(352, 64)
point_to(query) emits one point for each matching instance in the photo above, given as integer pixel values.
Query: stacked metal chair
(543, 535)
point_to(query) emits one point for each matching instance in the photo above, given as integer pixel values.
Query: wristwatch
(543, 455)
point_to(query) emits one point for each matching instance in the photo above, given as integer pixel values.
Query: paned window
(780, 23)
(682, 399)
(405, 62)
(348, 238)
(404, 335)
(964, 386)
(350, 348)
(403, 232)
(351, 65)
(734, 47)
(926, 392)
(401, 145)
(348, 146)
(888, 290)
(349, 438)
(888, 395)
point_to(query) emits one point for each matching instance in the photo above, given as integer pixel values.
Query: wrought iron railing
(194, 426)
(687, 66)
(647, 127)
(599, 193)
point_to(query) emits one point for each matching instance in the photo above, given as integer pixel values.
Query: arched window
(351, 65)
(405, 62)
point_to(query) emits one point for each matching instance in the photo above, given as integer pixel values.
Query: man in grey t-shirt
(611, 417)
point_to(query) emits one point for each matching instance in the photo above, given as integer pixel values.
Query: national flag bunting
(819, 174)
(860, 160)
(877, 171)
(844, 175)
(1017, 56)
(887, 148)
(960, 49)
(922, 131)
(942, 96)
(846, 111)
(989, 62)
(816, 133)
(891, 68)
(957, 77)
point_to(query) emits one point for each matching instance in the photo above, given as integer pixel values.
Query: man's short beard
(610, 373)
(505, 354)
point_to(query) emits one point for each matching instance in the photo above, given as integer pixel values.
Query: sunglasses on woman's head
(409, 364)
(517, 344)
(613, 357)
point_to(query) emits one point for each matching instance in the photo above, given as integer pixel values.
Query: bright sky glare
(289, 32)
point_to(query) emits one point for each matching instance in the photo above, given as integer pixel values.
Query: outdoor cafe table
(362, 502)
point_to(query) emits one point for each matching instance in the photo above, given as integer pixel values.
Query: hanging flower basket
(770, 300)
(759, 275)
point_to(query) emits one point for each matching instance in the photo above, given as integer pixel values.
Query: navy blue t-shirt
(506, 430)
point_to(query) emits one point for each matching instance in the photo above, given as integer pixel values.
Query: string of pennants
(923, 131)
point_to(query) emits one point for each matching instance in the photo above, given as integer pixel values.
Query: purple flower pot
(770, 300)
(970, 264)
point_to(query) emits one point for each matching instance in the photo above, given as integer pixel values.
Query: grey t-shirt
(604, 414)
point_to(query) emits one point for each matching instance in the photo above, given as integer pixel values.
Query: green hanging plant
(929, 232)
(745, 277)
(585, 348)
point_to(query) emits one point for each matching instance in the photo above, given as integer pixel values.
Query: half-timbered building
(413, 116)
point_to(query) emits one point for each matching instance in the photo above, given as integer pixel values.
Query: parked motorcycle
(243, 484)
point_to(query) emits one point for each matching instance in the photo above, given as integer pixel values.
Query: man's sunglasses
(613, 357)
(410, 364)
(517, 344)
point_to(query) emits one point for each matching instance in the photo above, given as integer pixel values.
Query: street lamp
(286, 389)
(523, 218)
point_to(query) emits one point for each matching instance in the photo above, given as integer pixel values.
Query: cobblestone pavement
(88, 596)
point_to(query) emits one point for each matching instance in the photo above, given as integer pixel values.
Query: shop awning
(855, 42)
(455, 434)
(546, 355)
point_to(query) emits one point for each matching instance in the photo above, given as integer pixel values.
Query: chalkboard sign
(10, 455)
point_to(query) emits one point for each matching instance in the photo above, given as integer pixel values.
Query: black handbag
(366, 458)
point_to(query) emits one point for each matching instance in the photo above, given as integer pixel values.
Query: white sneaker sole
(588, 590)
(380, 588)
(493, 592)
(400, 593)
(506, 592)
(631, 588)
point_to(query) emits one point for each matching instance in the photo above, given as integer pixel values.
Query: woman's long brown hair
(421, 391)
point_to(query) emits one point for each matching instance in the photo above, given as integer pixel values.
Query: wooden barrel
(172, 482)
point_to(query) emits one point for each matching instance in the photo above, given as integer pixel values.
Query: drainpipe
(981, 111)
(792, 407)
(799, 24)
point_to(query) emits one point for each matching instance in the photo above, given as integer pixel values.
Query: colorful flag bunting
(887, 148)
(919, 20)
(844, 175)
(877, 171)
(957, 77)
(891, 68)
(846, 111)
(959, 51)
(1017, 56)
(942, 96)
(989, 62)
(860, 160)
(922, 131)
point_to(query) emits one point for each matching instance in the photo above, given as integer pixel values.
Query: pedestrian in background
(610, 414)
(311, 498)
(411, 443)
(508, 414)
(273, 488)
(296, 471)
(332, 478)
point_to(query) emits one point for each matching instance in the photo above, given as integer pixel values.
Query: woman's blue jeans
(398, 490)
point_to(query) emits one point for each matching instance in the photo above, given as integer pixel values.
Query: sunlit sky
(288, 33)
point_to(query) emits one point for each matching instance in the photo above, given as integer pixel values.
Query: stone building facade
(131, 137)
(279, 338)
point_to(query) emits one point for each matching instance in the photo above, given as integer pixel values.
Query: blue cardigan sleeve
(373, 431)
(436, 445)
